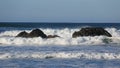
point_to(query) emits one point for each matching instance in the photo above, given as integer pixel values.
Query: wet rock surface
(91, 31)
(33, 33)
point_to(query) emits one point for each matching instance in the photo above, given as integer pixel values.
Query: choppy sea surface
(61, 52)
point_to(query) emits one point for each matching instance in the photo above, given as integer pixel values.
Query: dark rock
(33, 33)
(91, 31)
(52, 36)
(107, 40)
(37, 33)
(49, 57)
(22, 34)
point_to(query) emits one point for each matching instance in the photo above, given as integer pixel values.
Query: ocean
(60, 52)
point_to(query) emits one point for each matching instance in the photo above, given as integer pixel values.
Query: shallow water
(60, 56)
(59, 63)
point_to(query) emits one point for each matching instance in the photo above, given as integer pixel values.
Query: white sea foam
(67, 55)
(8, 37)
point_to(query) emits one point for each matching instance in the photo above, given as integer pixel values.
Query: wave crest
(107, 56)
(8, 37)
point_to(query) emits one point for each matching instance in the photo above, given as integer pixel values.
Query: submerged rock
(91, 31)
(52, 36)
(106, 40)
(49, 57)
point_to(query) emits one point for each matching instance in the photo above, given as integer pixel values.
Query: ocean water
(61, 52)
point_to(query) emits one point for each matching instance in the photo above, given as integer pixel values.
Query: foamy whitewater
(8, 37)
(68, 55)
(60, 52)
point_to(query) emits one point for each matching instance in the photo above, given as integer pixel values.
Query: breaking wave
(65, 55)
(8, 38)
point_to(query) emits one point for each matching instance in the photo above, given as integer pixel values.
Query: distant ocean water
(63, 52)
(57, 25)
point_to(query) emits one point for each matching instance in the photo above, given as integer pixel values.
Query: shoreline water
(65, 52)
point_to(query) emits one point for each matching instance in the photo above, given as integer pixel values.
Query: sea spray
(8, 37)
